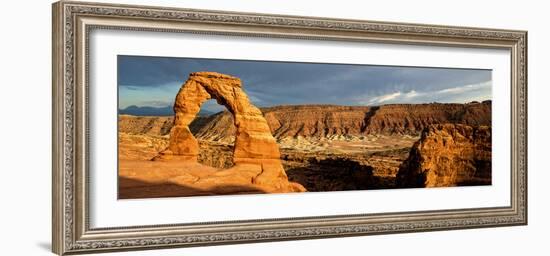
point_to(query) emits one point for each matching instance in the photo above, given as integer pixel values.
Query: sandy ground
(139, 177)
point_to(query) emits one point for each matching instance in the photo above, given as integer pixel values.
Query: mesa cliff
(327, 121)
(149, 125)
(448, 155)
(334, 121)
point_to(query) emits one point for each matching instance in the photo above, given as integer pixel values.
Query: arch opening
(214, 129)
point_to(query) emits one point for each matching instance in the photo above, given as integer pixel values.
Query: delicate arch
(256, 154)
(254, 141)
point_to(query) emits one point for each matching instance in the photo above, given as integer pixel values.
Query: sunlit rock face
(256, 155)
(448, 155)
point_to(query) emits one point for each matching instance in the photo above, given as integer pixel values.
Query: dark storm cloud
(277, 83)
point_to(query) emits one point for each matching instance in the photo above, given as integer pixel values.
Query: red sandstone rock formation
(256, 154)
(150, 125)
(327, 120)
(448, 155)
(414, 118)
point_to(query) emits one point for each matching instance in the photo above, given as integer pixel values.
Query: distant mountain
(154, 111)
(147, 111)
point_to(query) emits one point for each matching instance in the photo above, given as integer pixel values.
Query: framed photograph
(179, 127)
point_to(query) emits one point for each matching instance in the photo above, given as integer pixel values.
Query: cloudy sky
(155, 81)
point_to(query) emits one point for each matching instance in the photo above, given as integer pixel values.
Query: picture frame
(72, 208)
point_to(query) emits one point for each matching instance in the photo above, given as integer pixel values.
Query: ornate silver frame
(72, 22)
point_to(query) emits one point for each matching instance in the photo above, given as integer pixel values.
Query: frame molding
(72, 22)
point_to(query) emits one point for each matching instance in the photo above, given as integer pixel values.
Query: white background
(26, 115)
(106, 211)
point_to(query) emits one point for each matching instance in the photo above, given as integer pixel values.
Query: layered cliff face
(316, 120)
(150, 125)
(334, 121)
(413, 119)
(448, 155)
(156, 125)
(326, 121)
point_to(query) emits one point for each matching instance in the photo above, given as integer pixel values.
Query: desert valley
(322, 148)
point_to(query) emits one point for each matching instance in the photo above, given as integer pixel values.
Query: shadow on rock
(133, 188)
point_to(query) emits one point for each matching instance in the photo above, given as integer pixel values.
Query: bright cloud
(458, 94)
(386, 97)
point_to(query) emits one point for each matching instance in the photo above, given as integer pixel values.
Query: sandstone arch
(256, 154)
